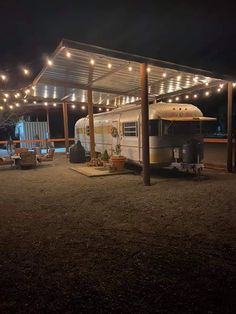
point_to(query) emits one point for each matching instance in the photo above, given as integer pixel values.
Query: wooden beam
(65, 122)
(145, 122)
(229, 128)
(48, 121)
(91, 124)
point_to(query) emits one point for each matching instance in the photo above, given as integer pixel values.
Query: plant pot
(118, 162)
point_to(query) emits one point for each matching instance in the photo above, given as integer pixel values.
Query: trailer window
(130, 129)
(181, 128)
(153, 127)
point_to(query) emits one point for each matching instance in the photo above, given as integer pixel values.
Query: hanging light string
(27, 94)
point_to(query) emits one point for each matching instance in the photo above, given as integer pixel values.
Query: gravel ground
(72, 244)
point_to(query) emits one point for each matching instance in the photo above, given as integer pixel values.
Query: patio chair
(47, 157)
(20, 150)
(27, 159)
(4, 161)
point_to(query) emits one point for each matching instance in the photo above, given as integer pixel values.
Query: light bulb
(83, 107)
(92, 61)
(170, 100)
(177, 98)
(130, 68)
(207, 93)
(195, 95)
(49, 62)
(187, 96)
(26, 71)
(3, 77)
(109, 65)
(164, 74)
(68, 54)
(17, 104)
(148, 69)
(45, 104)
(54, 105)
(73, 106)
(100, 109)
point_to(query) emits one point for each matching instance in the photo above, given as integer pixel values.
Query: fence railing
(38, 141)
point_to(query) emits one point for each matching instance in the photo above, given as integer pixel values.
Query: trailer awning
(189, 119)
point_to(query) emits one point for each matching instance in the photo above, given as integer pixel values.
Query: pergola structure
(84, 74)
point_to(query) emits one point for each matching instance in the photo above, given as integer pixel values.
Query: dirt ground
(73, 244)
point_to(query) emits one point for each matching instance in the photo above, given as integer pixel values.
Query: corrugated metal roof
(114, 77)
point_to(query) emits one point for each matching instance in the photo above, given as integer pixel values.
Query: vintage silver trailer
(175, 135)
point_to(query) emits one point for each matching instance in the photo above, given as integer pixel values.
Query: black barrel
(192, 152)
(77, 153)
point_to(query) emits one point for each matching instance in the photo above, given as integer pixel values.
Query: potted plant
(105, 156)
(117, 160)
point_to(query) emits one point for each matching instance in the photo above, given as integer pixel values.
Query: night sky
(185, 32)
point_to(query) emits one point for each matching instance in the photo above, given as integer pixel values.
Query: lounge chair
(20, 150)
(4, 161)
(47, 157)
(27, 159)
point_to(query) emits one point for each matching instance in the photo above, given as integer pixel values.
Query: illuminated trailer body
(171, 125)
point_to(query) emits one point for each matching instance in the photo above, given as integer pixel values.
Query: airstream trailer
(175, 136)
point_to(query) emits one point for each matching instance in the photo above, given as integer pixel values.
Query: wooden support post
(65, 122)
(91, 123)
(229, 128)
(48, 122)
(145, 123)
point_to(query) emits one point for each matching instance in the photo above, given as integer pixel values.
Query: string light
(234, 84)
(100, 109)
(187, 97)
(17, 104)
(221, 85)
(207, 93)
(27, 91)
(25, 100)
(107, 109)
(164, 74)
(3, 77)
(6, 95)
(170, 100)
(35, 102)
(92, 61)
(4, 99)
(11, 107)
(148, 69)
(177, 98)
(45, 104)
(130, 68)
(73, 106)
(218, 90)
(68, 54)
(49, 62)
(206, 83)
(33, 87)
(178, 77)
(54, 105)
(26, 71)
(195, 78)
(1, 107)
(83, 107)
(195, 96)
(109, 65)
